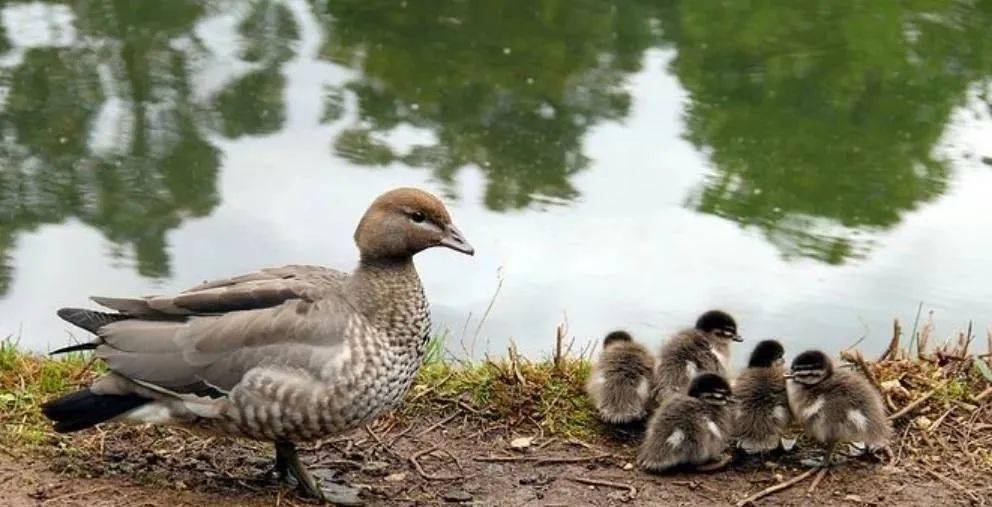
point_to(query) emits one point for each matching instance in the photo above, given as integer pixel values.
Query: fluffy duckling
(619, 384)
(688, 428)
(705, 348)
(762, 415)
(835, 406)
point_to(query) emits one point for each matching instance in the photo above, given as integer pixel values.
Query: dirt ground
(445, 460)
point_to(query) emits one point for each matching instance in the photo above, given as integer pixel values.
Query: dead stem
(433, 477)
(951, 482)
(915, 403)
(777, 487)
(816, 480)
(631, 490)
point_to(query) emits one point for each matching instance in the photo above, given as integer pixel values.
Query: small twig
(857, 358)
(936, 424)
(559, 342)
(916, 324)
(984, 394)
(432, 388)
(502, 459)
(631, 490)
(537, 460)
(816, 480)
(777, 487)
(489, 308)
(77, 493)
(438, 424)
(950, 482)
(432, 477)
(379, 442)
(556, 461)
(82, 371)
(915, 403)
(894, 343)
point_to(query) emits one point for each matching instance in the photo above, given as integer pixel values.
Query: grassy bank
(940, 398)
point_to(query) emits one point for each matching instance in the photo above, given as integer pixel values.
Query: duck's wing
(206, 339)
(261, 289)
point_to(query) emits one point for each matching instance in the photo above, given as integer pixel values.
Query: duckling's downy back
(682, 357)
(687, 429)
(619, 384)
(842, 408)
(762, 414)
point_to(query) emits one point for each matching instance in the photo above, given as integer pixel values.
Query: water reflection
(819, 126)
(109, 129)
(822, 123)
(254, 103)
(510, 87)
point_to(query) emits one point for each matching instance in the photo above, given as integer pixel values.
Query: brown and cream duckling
(620, 381)
(704, 348)
(762, 414)
(835, 406)
(285, 355)
(690, 428)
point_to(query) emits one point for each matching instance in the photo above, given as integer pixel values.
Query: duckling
(705, 348)
(762, 415)
(835, 406)
(688, 428)
(620, 382)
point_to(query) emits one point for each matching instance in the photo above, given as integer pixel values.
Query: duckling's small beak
(737, 338)
(454, 240)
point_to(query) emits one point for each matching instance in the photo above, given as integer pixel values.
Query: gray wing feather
(281, 317)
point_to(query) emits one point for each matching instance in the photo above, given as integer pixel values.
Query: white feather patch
(710, 425)
(643, 389)
(813, 408)
(676, 438)
(858, 418)
(155, 413)
(722, 359)
(780, 414)
(336, 366)
(691, 370)
(204, 407)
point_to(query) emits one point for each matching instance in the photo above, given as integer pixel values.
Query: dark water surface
(816, 171)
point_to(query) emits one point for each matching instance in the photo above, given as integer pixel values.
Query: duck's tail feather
(90, 320)
(74, 348)
(84, 408)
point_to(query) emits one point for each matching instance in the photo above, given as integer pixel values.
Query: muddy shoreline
(505, 432)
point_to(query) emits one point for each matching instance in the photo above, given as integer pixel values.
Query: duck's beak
(454, 240)
(788, 375)
(737, 338)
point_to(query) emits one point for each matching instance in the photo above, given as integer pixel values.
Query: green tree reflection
(821, 121)
(510, 87)
(110, 132)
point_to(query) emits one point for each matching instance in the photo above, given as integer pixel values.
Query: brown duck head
(406, 221)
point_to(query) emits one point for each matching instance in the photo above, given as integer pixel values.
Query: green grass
(519, 392)
(542, 396)
(26, 381)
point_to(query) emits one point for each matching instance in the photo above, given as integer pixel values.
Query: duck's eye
(418, 216)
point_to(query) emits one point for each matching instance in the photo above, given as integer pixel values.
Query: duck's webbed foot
(290, 470)
(831, 458)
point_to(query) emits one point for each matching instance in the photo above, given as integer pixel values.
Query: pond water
(817, 172)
